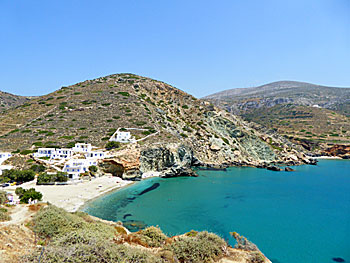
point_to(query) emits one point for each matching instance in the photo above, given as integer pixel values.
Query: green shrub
(203, 247)
(26, 152)
(51, 221)
(152, 236)
(30, 194)
(112, 145)
(124, 93)
(3, 197)
(19, 176)
(4, 216)
(38, 168)
(93, 168)
(45, 178)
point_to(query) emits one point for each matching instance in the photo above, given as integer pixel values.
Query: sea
(293, 217)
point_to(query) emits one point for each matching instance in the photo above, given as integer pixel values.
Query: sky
(198, 46)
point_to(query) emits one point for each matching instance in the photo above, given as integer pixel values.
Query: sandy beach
(72, 197)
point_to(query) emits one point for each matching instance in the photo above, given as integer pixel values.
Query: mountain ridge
(92, 110)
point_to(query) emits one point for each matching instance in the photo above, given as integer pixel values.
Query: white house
(4, 156)
(82, 147)
(75, 167)
(45, 152)
(96, 154)
(53, 153)
(122, 136)
(62, 153)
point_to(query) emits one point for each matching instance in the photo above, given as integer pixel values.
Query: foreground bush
(3, 197)
(203, 247)
(152, 236)
(4, 215)
(76, 237)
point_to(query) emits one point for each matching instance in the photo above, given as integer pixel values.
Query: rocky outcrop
(170, 160)
(342, 151)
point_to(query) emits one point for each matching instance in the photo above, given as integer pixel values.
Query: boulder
(288, 169)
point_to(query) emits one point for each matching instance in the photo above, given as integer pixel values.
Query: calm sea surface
(301, 216)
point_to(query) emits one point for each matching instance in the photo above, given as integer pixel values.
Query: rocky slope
(177, 128)
(8, 100)
(314, 116)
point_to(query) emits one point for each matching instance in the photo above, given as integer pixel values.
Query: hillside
(92, 110)
(8, 100)
(312, 115)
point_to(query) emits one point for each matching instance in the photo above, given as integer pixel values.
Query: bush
(202, 247)
(19, 176)
(45, 178)
(112, 145)
(30, 194)
(4, 216)
(38, 168)
(152, 236)
(93, 168)
(51, 221)
(3, 197)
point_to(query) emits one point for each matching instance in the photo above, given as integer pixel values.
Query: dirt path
(19, 214)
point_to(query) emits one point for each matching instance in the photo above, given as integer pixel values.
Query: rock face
(171, 160)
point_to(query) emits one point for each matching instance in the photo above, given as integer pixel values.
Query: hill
(313, 115)
(92, 110)
(8, 100)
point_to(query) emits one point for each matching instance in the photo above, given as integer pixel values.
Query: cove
(301, 216)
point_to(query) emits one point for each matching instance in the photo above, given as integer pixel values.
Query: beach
(71, 197)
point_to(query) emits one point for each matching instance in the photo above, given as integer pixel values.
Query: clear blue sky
(199, 46)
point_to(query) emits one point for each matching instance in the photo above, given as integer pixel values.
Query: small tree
(93, 169)
(19, 191)
(30, 194)
(112, 145)
(61, 177)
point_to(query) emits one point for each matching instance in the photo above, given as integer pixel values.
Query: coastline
(72, 197)
(328, 158)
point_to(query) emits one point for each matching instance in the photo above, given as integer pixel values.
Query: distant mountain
(299, 110)
(92, 110)
(8, 100)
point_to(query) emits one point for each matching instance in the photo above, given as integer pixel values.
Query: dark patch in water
(235, 197)
(125, 216)
(134, 225)
(154, 186)
(338, 259)
(225, 206)
(131, 198)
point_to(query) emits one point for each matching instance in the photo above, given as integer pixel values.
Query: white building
(62, 154)
(53, 153)
(45, 152)
(96, 155)
(75, 167)
(4, 156)
(82, 147)
(122, 136)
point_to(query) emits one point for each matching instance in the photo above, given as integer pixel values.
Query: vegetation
(76, 237)
(38, 168)
(112, 145)
(203, 247)
(26, 195)
(17, 175)
(3, 197)
(45, 178)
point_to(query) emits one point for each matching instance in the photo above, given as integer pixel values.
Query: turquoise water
(301, 216)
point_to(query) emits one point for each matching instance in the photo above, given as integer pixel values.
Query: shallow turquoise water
(302, 216)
